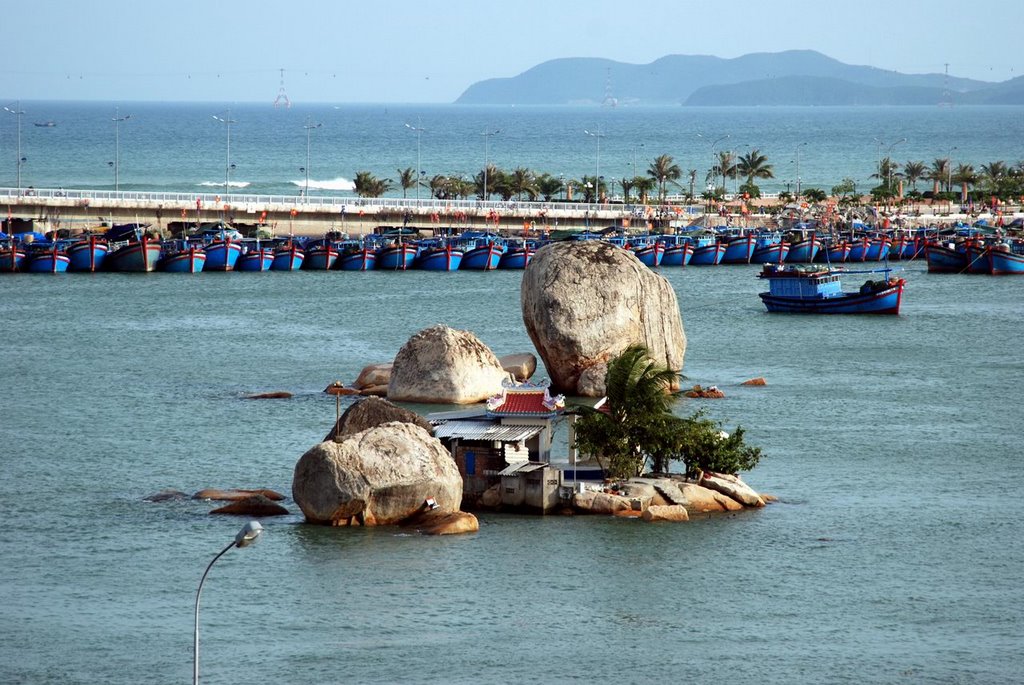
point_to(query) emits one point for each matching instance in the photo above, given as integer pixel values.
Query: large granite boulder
(371, 412)
(444, 366)
(522, 366)
(584, 302)
(380, 476)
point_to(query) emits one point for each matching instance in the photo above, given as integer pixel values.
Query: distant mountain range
(794, 77)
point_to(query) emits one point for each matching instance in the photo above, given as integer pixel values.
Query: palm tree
(548, 186)
(639, 400)
(939, 175)
(490, 174)
(664, 170)
(965, 175)
(725, 167)
(814, 194)
(592, 188)
(643, 185)
(521, 181)
(754, 165)
(627, 186)
(368, 185)
(407, 179)
(913, 172)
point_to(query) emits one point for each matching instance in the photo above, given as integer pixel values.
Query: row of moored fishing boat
(219, 248)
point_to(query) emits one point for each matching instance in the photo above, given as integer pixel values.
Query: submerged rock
(234, 495)
(275, 395)
(584, 302)
(167, 495)
(256, 505)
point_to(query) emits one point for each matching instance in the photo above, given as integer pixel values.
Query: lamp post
(20, 160)
(418, 130)
(117, 146)
(712, 150)
(798, 179)
(227, 121)
(597, 176)
(245, 537)
(888, 183)
(634, 158)
(309, 126)
(487, 137)
(949, 169)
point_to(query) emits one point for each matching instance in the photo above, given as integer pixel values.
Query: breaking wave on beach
(220, 184)
(339, 183)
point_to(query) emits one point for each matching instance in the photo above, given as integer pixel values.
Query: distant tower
(282, 97)
(609, 99)
(947, 99)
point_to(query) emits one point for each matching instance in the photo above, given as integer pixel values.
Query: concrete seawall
(52, 209)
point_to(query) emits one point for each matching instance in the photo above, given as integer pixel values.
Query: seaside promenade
(52, 209)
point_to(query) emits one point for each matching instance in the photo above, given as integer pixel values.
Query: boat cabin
(801, 281)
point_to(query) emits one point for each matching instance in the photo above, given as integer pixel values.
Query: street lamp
(798, 169)
(20, 160)
(245, 537)
(418, 130)
(487, 137)
(309, 126)
(227, 121)
(117, 145)
(949, 169)
(714, 176)
(634, 158)
(888, 152)
(597, 177)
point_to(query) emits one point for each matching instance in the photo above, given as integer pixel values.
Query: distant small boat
(46, 124)
(816, 290)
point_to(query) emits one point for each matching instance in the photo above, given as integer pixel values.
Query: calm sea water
(181, 147)
(894, 554)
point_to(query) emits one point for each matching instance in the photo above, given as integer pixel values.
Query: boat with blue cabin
(1006, 258)
(356, 255)
(518, 254)
(481, 250)
(87, 253)
(46, 258)
(255, 256)
(798, 289)
(182, 256)
(438, 254)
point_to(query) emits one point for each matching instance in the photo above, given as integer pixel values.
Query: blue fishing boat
(1006, 258)
(803, 250)
(182, 257)
(140, 256)
(707, 251)
(87, 253)
(977, 257)
(678, 250)
(878, 248)
(46, 258)
(648, 249)
(740, 249)
(946, 257)
(438, 255)
(356, 255)
(12, 256)
(222, 252)
(288, 257)
(254, 257)
(398, 255)
(321, 255)
(833, 252)
(859, 247)
(518, 254)
(482, 251)
(769, 248)
(798, 289)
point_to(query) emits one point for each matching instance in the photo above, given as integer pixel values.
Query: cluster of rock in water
(583, 304)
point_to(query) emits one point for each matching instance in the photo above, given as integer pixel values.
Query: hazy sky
(405, 51)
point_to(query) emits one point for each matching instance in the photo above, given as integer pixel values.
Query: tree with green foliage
(637, 425)
(522, 180)
(549, 186)
(914, 172)
(814, 195)
(664, 170)
(368, 185)
(753, 165)
(407, 178)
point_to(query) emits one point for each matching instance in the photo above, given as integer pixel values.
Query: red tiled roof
(523, 403)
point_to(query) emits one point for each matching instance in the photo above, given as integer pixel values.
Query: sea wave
(339, 183)
(220, 184)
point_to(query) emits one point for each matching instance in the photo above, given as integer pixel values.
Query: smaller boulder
(710, 392)
(755, 381)
(701, 500)
(256, 505)
(522, 366)
(732, 486)
(374, 374)
(491, 497)
(338, 388)
(234, 495)
(167, 495)
(370, 413)
(671, 512)
(591, 382)
(276, 395)
(374, 391)
(451, 523)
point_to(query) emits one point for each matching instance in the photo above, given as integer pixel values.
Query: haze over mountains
(794, 77)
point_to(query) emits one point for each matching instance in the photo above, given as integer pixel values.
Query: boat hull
(803, 252)
(707, 255)
(774, 253)
(320, 259)
(140, 257)
(53, 261)
(287, 259)
(255, 260)
(740, 250)
(439, 259)
(12, 259)
(484, 258)
(516, 258)
(358, 260)
(396, 257)
(1005, 263)
(222, 255)
(945, 260)
(88, 255)
(190, 261)
(677, 255)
